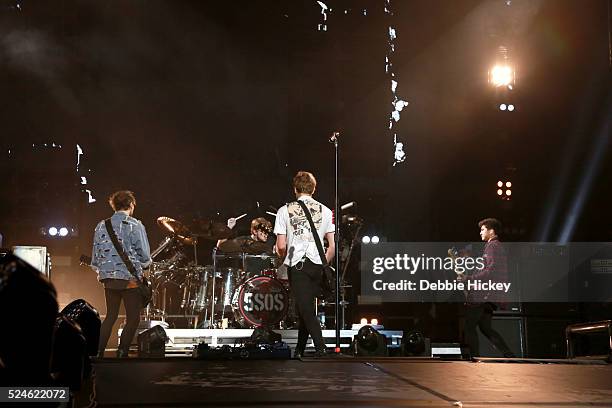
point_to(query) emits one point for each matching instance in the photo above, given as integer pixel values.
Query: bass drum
(260, 301)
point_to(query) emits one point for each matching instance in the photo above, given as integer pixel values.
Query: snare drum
(260, 301)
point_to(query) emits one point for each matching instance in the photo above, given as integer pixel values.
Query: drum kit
(245, 287)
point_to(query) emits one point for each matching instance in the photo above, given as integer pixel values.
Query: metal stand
(214, 277)
(337, 241)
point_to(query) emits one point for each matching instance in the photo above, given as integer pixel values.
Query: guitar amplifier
(512, 330)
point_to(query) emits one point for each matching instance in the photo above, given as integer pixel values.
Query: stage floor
(345, 381)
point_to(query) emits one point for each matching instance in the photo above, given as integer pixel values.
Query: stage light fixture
(501, 75)
(69, 361)
(365, 239)
(363, 321)
(510, 108)
(152, 342)
(59, 231)
(500, 183)
(502, 107)
(88, 319)
(500, 192)
(369, 342)
(508, 184)
(374, 322)
(28, 312)
(508, 192)
(375, 239)
(414, 343)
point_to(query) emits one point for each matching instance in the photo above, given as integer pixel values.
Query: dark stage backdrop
(206, 110)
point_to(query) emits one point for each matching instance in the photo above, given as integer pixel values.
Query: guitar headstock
(85, 260)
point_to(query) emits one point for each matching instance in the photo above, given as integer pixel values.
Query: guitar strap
(120, 250)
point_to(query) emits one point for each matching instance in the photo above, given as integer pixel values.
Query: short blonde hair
(304, 182)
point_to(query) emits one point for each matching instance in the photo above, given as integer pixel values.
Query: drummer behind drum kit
(244, 287)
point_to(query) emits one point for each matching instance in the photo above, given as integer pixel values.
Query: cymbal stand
(214, 277)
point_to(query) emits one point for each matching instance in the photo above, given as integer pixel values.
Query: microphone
(334, 137)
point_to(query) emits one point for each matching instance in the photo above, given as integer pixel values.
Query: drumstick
(271, 213)
(241, 216)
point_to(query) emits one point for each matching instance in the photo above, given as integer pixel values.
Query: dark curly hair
(491, 223)
(121, 200)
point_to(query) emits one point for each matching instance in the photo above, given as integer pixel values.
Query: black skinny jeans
(132, 300)
(305, 286)
(481, 316)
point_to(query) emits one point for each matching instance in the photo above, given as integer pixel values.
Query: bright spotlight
(53, 231)
(500, 192)
(374, 322)
(500, 183)
(365, 239)
(510, 108)
(375, 239)
(501, 75)
(508, 192)
(502, 107)
(63, 231)
(508, 184)
(363, 320)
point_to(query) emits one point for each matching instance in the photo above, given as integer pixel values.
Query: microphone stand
(334, 140)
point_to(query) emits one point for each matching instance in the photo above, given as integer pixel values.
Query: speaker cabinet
(512, 331)
(546, 337)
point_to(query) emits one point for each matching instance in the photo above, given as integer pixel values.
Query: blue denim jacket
(132, 235)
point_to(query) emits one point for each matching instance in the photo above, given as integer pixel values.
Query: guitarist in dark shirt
(480, 304)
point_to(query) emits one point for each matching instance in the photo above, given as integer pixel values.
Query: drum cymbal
(244, 245)
(177, 229)
(256, 248)
(209, 229)
(231, 246)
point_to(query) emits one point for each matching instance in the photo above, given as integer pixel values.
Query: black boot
(298, 353)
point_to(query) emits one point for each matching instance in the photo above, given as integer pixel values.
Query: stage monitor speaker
(511, 330)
